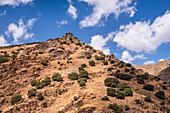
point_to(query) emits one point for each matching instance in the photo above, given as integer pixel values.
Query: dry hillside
(64, 75)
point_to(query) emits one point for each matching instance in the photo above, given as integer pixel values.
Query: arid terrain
(65, 75)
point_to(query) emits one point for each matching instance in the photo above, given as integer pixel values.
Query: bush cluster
(57, 77)
(120, 95)
(31, 92)
(92, 63)
(44, 62)
(15, 99)
(105, 98)
(101, 57)
(160, 95)
(122, 76)
(116, 108)
(3, 59)
(111, 82)
(122, 86)
(148, 87)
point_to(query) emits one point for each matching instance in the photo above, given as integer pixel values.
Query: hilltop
(65, 75)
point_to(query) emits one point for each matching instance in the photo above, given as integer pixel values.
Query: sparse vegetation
(160, 95)
(111, 82)
(92, 63)
(15, 99)
(148, 87)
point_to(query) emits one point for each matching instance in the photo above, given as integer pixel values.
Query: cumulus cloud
(3, 13)
(144, 36)
(98, 42)
(63, 22)
(14, 2)
(127, 57)
(161, 59)
(149, 62)
(3, 42)
(72, 11)
(103, 8)
(21, 30)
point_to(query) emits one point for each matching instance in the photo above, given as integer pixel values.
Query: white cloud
(127, 57)
(103, 8)
(14, 2)
(161, 59)
(72, 11)
(3, 42)
(63, 22)
(98, 42)
(21, 30)
(144, 36)
(149, 62)
(3, 13)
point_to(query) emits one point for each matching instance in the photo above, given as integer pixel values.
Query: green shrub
(120, 95)
(109, 69)
(15, 99)
(147, 99)
(40, 52)
(112, 61)
(133, 69)
(64, 42)
(94, 50)
(102, 57)
(3, 59)
(92, 63)
(81, 68)
(86, 46)
(31, 92)
(82, 79)
(73, 76)
(111, 92)
(145, 76)
(122, 86)
(97, 57)
(140, 81)
(2, 52)
(14, 55)
(44, 62)
(46, 81)
(105, 98)
(160, 95)
(83, 65)
(58, 62)
(40, 96)
(128, 65)
(128, 92)
(111, 82)
(39, 85)
(57, 77)
(83, 74)
(138, 101)
(123, 76)
(33, 82)
(75, 98)
(59, 91)
(127, 108)
(82, 83)
(5, 52)
(164, 87)
(116, 108)
(88, 56)
(127, 70)
(117, 71)
(44, 104)
(162, 103)
(105, 62)
(60, 111)
(148, 87)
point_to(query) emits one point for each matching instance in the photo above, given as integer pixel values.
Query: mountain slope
(61, 59)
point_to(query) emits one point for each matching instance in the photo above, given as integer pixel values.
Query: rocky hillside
(64, 75)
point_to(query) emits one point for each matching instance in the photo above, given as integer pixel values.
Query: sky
(135, 31)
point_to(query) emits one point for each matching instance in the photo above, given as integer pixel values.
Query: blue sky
(135, 31)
